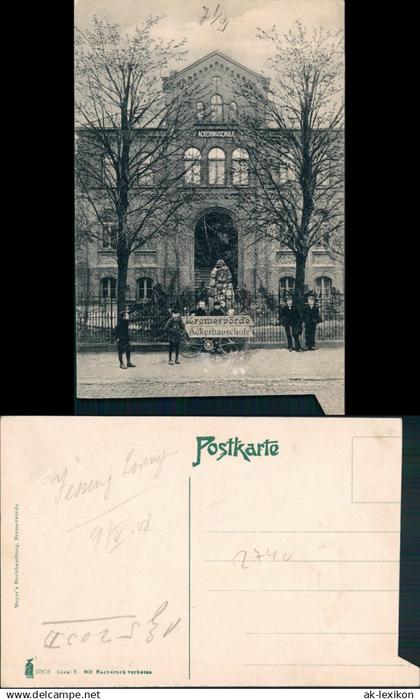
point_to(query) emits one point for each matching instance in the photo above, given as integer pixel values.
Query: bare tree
(293, 130)
(129, 139)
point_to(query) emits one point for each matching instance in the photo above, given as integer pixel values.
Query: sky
(182, 19)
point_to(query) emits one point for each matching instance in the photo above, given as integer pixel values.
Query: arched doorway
(216, 238)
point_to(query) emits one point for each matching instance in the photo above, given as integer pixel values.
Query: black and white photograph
(209, 199)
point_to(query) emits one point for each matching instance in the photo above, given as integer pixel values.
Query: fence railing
(96, 320)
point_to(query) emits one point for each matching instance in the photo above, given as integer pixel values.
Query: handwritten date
(217, 20)
(115, 533)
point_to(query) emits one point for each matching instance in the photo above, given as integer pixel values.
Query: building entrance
(216, 238)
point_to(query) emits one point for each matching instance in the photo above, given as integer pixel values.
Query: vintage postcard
(201, 552)
(209, 198)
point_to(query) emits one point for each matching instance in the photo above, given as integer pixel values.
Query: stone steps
(202, 278)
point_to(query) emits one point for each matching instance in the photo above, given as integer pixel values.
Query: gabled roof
(217, 54)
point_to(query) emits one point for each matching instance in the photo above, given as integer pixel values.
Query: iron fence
(96, 319)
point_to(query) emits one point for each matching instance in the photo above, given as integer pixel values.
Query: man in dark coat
(174, 329)
(311, 318)
(217, 310)
(122, 337)
(201, 309)
(291, 319)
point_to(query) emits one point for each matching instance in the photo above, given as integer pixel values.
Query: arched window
(192, 164)
(108, 288)
(240, 167)
(217, 81)
(216, 108)
(109, 236)
(109, 176)
(233, 112)
(323, 285)
(287, 285)
(200, 110)
(146, 172)
(286, 170)
(216, 160)
(331, 173)
(144, 288)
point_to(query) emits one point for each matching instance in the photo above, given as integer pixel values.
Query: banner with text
(219, 326)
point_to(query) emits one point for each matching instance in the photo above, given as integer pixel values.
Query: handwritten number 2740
(242, 557)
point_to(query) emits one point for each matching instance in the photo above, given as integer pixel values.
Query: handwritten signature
(133, 467)
(103, 630)
(66, 489)
(72, 490)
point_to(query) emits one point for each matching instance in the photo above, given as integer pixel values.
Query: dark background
(409, 608)
(382, 261)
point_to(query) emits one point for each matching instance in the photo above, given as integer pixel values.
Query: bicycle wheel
(233, 344)
(190, 347)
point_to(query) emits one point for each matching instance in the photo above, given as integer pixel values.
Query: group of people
(290, 317)
(219, 309)
(174, 327)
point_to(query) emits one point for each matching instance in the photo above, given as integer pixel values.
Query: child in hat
(174, 329)
(121, 335)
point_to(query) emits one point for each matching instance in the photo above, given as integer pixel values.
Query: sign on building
(220, 134)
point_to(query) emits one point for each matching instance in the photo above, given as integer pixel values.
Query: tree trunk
(300, 277)
(122, 281)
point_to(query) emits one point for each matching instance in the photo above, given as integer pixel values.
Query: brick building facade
(213, 225)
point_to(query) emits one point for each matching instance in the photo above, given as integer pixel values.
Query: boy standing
(174, 328)
(122, 337)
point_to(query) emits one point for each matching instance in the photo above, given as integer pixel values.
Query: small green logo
(29, 669)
